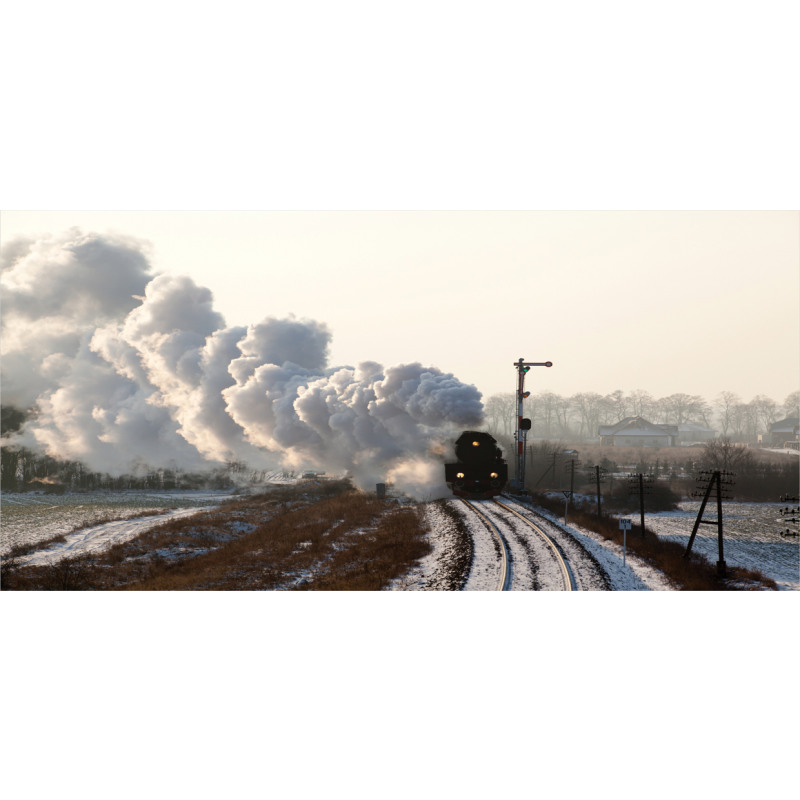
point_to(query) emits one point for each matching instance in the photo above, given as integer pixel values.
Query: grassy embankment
(327, 536)
(694, 573)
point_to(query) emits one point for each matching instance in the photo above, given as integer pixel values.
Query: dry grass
(346, 542)
(328, 537)
(694, 573)
(370, 559)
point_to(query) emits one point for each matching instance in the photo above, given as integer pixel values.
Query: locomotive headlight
(459, 474)
(492, 474)
(476, 444)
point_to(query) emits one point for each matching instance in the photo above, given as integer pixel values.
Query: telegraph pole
(599, 475)
(640, 484)
(523, 425)
(723, 480)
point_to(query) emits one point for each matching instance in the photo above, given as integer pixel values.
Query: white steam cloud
(126, 368)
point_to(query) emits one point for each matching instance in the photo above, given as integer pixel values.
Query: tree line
(580, 416)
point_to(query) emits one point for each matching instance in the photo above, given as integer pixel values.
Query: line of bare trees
(580, 416)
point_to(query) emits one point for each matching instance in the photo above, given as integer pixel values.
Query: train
(479, 471)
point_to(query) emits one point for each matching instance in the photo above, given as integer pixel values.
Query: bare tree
(704, 413)
(589, 407)
(546, 403)
(723, 454)
(642, 404)
(616, 406)
(766, 410)
(501, 411)
(791, 405)
(745, 422)
(562, 409)
(738, 415)
(726, 402)
(680, 408)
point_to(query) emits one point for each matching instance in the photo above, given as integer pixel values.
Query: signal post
(523, 424)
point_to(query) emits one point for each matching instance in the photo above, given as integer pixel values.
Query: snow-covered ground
(464, 553)
(446, 566)
(30, 517)
(100, 537)
(751, 537)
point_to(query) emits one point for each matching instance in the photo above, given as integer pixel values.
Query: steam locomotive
(480, 470)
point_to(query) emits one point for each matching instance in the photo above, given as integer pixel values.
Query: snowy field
(751, 537)
(30, 517)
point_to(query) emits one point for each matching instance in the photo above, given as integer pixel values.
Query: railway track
(528, 556)
(569, 583)
(505, 572)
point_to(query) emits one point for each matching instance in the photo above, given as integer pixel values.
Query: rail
(505, 572)
(568, 583)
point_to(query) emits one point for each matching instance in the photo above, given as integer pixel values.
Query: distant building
(689, 433)
(638, 432)
(784, 430)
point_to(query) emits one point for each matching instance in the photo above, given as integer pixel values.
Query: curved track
(523, 556)
(569, 583)
(536, 564)
(579, 553)
(505, 572)
(540, 553)
(521, 550)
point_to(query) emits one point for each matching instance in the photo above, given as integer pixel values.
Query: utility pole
(571, 467)
(640, 484)
(523, 425)
(599, 475)
(641, 499)
(722, 480)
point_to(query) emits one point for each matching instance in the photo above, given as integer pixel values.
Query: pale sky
(694, 302)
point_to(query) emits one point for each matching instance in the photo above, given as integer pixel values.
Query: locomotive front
(480, 470)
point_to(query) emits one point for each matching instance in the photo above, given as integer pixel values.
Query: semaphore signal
(523, 424)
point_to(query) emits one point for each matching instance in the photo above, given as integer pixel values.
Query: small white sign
(624, 526)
